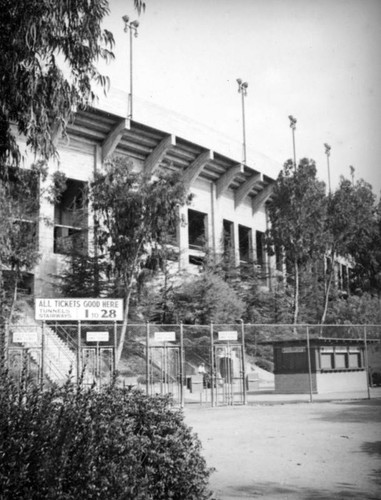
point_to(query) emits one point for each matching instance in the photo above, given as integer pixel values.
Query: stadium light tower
(132, 27)
(293, 127)
(328, 153)
(242, 89)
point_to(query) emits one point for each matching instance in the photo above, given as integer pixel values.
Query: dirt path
(299, 451)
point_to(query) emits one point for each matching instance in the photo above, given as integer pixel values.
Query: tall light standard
(133, 28)
(328, 152)
(293, 127)
(242, 89)
(352, 169)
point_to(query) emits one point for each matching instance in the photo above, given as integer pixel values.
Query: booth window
(245, 244)
(327, 362)
(354, 360)
(197, 224)
(71, 219)
(340, 358)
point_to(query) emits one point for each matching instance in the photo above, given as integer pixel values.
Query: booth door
(165, 370)
(228, 383)
(97, 365)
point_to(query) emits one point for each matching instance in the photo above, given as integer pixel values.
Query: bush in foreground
(71, 443)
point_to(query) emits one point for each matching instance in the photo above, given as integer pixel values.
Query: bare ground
(309, 451)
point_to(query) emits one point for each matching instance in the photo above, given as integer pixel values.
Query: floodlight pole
(328, 153)
(242, 89)
(293, 127)
(132, 27)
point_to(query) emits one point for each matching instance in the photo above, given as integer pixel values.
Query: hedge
(77, 443)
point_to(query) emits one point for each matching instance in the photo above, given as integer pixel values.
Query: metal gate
(165, 371)
(98, 365)
(228, 384)
(27, 362)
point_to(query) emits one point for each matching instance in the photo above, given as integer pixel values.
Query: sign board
(228, 335)
(293, 349)
(165, 336)
(79, 309)
(25, 337)
(97, 337)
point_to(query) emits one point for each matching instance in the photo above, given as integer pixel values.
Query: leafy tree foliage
(19, 205)
(48, 57)
(49, 51)
(136, 217)
(207, 298)
(297, 215)
(350, 224)
(75, 443)
(84, 276)
(366, 251)
(355, 309)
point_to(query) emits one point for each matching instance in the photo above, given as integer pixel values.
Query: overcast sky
(318, 60)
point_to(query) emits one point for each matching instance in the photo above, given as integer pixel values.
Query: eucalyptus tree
(49, 54)
(18, 230)
(350, 225)
(137, 217)
(297, 215)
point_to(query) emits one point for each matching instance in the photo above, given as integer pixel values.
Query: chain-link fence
(202, 364)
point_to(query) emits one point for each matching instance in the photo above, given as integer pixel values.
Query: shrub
(72, 443)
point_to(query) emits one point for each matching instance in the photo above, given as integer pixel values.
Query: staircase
(59, 360)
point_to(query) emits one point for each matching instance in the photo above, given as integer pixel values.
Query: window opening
(71, 219)
(245, 245)
(197, 234)
(260, 247)
(228, 235)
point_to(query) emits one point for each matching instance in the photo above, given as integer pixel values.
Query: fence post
(147, 358)
(181, 365)
(366, 362)
(243, 362)
(309, 363)
(79, 375)
(212, 365)
(42, 369)
(6, 345)
(115, 347)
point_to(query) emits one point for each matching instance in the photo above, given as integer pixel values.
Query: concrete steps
(59, 360)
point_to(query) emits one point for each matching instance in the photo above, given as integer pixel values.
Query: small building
(336, 365)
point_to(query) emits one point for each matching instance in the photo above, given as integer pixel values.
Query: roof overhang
(156, 148)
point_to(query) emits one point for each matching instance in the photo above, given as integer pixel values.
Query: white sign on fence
(79, 309)
(25, 337)
(228, 335)
(97, 336)
(165, 336)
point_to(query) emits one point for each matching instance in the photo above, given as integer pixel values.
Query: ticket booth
(325, 366)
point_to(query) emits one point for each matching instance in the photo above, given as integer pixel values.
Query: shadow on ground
(363, 411)
(274, 491)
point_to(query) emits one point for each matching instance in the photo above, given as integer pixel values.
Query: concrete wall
(77, 160)
(322, 383)
(296, 383)
(344, 381)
